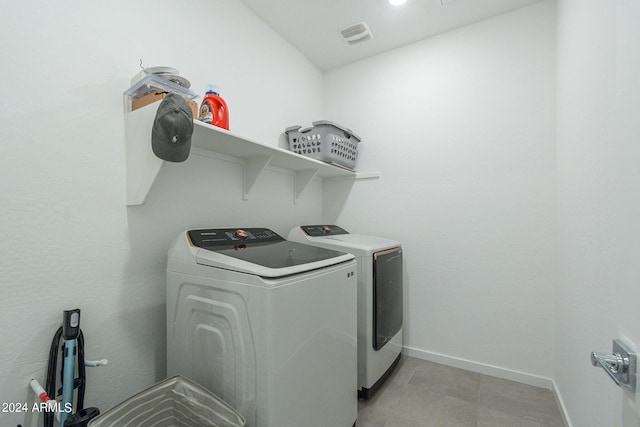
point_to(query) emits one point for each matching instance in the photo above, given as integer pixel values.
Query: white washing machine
(380, 306)
(266, 324)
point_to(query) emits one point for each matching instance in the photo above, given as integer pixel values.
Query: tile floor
(426, 394)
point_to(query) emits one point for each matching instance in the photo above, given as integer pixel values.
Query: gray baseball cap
(172, 129)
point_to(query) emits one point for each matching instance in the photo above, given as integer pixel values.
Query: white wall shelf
(143, 166)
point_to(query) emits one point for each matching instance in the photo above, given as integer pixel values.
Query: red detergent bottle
(214, 110)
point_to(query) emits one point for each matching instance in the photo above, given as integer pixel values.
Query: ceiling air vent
(356, 33)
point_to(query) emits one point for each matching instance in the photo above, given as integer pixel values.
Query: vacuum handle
(71, 324)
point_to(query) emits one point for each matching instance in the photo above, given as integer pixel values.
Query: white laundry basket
(174, 402)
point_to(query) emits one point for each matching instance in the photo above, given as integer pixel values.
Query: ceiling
(313, 26)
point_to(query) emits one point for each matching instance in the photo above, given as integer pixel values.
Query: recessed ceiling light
(397, 2)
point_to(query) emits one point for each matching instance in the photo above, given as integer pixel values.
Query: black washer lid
(260, 251)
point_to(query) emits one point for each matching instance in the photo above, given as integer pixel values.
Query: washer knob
(241, 234)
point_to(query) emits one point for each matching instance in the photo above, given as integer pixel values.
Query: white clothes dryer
(380, 305)
(266, 324)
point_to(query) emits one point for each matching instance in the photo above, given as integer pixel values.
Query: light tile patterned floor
(425, 394)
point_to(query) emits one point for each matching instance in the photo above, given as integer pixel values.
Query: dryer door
(387, 296)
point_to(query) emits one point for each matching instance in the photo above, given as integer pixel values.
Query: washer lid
(260, 251)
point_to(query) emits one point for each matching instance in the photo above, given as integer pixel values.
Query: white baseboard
(561, 405)
(480, 368)
(493, 371)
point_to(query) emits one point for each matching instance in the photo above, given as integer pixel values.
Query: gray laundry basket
(175, 402)
(325, 141)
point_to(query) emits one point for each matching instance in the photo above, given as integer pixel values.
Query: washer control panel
(323, 230)
(231, 236)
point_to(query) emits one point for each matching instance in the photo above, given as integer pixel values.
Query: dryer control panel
(231, 236)
(323, 230)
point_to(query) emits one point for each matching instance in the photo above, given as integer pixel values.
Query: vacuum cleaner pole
(70, 332)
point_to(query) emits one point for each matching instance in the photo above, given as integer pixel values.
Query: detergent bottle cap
(213, 89)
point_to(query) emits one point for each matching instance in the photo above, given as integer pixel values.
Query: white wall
(598, 204)
(68, 240)
(461, 127)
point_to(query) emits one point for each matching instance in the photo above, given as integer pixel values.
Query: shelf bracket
(301, 181)
(253, 168)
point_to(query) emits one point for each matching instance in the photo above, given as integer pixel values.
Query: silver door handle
(621, 365)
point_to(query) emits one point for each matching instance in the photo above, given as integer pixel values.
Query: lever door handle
(620, 365)
(614, 364)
